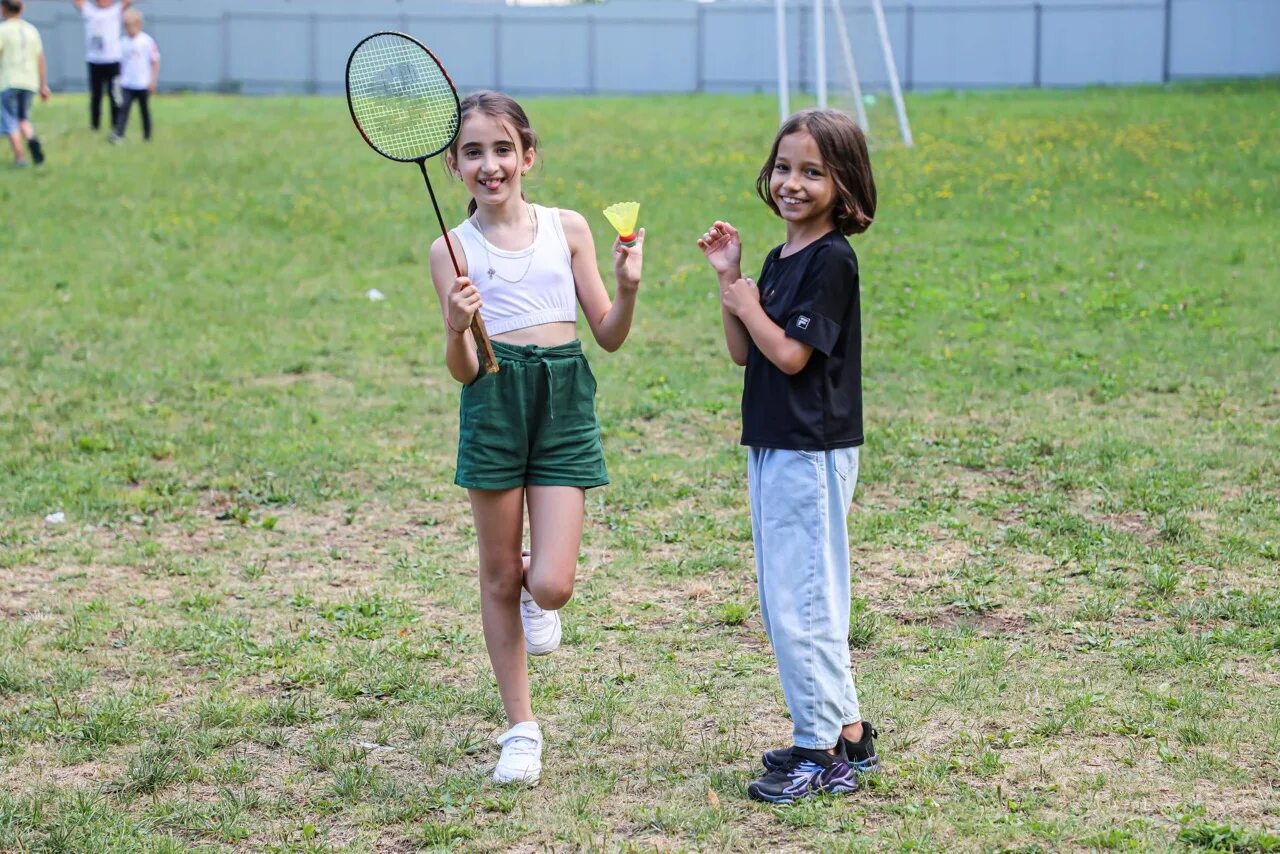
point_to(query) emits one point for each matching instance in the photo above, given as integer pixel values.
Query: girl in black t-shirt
(798, 334)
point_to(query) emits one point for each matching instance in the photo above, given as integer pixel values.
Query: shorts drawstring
(551, 391)
(509, 430)
(544, 356)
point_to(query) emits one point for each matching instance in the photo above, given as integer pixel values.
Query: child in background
(527, 435)
(102, 21)
(139, 73)
(799, 335)
(22, 74)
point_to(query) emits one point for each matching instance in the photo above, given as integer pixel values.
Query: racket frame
(488, 361)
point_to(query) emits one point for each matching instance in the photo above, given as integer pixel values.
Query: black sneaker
(806, 773)
(861, 754)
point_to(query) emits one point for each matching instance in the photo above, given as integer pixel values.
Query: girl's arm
(742, 300)
(459, 301)
(723, 248)
(609, 321)
(736, 337)
(155, 68)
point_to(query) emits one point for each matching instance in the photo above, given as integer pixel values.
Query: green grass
(258, 627)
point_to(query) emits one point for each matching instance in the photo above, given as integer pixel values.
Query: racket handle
(488, 361)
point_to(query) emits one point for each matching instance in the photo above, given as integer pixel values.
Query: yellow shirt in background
(20, 51)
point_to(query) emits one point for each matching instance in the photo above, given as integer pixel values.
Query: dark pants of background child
(102, 77)
(127, 97)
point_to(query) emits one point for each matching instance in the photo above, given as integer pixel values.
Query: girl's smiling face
(801, 185)
(490, 159)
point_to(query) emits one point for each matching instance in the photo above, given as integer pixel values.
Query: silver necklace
(493, 273)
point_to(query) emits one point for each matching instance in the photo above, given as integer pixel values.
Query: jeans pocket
(846, 462)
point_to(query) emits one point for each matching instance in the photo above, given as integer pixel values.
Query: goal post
(780, 36)
(850, 69)
(836, 78)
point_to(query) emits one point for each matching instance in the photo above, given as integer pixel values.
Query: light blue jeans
(799, 503)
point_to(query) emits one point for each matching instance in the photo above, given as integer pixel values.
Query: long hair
(844, 152)
(501, 107)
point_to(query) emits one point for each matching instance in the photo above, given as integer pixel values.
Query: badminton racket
(405, 106)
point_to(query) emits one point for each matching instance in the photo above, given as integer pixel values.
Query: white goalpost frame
(820, 50)
(784, 90)
(846, 47)
(891, 65)
(846, 50)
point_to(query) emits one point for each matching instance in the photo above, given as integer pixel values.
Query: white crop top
(529, 286)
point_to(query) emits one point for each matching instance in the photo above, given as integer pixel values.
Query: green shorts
(533, 423)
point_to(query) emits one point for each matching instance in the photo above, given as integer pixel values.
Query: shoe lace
(792, 769)
(530, 608)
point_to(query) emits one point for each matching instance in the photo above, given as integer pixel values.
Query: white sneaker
(541, 627)
(521, 760)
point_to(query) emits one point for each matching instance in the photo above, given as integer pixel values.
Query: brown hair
(501, 107)
(844, 152)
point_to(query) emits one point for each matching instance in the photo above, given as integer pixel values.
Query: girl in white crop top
(527, 434)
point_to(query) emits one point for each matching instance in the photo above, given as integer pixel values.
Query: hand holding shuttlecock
(623, 217)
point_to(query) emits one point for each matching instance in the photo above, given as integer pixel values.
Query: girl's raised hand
(627, 262)
(723, 248)
(464, 302)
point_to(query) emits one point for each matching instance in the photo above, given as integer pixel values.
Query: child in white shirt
(139, 72)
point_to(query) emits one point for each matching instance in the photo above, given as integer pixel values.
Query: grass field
(258, 626)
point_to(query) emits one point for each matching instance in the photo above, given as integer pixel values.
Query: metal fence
(663, 46)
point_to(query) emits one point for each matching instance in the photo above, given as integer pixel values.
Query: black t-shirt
(813, 294)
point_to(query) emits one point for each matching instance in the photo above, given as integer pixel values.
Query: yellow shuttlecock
(623, 217)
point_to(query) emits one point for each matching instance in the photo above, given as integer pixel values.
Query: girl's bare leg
(555, 533)
(499, 518)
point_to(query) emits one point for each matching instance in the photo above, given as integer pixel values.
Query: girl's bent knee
(551, 595)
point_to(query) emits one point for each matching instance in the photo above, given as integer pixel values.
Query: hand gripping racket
(404, 105)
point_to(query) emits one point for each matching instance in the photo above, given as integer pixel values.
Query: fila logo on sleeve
(802, 322)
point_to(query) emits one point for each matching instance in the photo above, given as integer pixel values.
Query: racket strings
(401, 98)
